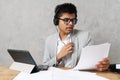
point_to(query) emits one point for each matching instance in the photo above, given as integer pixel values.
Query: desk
(7, 74)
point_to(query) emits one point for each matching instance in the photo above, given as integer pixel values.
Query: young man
(64, 47)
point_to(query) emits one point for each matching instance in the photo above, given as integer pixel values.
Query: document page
(42, 75)
(91, 55)
(59, 74)
(74, 75)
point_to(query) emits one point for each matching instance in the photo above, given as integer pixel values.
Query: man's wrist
(58, 58)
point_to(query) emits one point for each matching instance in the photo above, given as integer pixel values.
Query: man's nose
(71, 23)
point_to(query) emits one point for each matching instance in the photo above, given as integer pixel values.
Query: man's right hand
(67, 49)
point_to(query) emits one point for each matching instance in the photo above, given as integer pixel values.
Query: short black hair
(64, 8)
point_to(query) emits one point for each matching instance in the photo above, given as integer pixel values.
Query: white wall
(25, 24)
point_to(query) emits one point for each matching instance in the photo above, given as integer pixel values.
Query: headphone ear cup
(55, 21)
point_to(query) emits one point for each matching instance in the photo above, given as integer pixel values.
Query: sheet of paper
(22, 67)
(42, 75)
(22, 76)
(76, 76)
(58, 74)
(58, 69)
(91, 55)
(117, 66)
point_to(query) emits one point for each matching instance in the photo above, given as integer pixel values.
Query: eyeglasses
(68, 20)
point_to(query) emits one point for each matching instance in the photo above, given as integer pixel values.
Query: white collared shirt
(60, 44)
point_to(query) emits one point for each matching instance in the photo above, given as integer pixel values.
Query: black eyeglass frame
(68, 20)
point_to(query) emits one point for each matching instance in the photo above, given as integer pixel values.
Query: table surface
(8, 74)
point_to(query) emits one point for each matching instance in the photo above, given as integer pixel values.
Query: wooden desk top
(7, 74)
(109, 75)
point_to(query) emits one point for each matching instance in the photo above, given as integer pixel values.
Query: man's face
(66, 23)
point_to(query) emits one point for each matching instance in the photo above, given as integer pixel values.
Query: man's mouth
(69, 28)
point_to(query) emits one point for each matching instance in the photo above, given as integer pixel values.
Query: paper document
(42, 75)
(27, 68)
(59, 74)
(22, 76)
(91, 55)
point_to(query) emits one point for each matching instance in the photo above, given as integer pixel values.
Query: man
(64, 47)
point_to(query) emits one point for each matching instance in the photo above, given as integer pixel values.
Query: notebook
(24, 56)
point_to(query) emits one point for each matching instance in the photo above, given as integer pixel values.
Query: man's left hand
(103, 65)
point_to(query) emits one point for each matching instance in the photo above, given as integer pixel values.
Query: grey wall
(25, 24)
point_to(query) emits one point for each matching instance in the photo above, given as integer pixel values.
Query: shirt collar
(68, 37)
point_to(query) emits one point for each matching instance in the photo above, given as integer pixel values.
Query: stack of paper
(58, 74)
